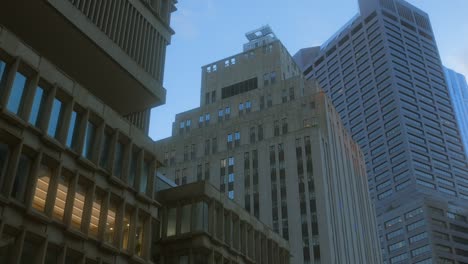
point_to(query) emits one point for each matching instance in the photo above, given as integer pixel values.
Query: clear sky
(210, 30)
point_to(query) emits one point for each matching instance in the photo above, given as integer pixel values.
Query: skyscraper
(384, 75)
(272, 142)
(458, 89)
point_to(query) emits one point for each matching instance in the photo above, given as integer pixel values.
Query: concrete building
(458, 89)
(272, 142)
(77, 79)
(201, 226)
(383, 73)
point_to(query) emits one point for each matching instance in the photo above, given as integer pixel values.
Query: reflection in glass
(78, 206)
(95, 214)
(109, 232)
(89, 140)
(139, 235)
(73, 129)
(201, 216)
(119, 149)
(16, 94)
(21, 178)
(61, 197)
(42, 186)
(185, 219)
(144, 176)
(104, 157)
(126, 227)
(55, 116)
(171, 222)
(37, 106)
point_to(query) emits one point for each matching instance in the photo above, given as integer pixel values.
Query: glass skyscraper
(458, 89)
(384, 75)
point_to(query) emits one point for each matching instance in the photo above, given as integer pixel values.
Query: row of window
(50, 110)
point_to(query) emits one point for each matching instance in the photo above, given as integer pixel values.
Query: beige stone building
(78, 173)
(273, 143)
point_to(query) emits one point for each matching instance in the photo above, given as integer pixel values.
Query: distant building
(272, 142)
(383, 73)
(458, 89)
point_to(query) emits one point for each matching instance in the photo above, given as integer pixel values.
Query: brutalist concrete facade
(76, 177)
(272, 142)
(383, 73)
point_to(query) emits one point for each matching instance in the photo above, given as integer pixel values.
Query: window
(55, 118)
(73, 130)
(38, 104)
(207, 118)
(63, 186)
(241, 107)
(144, 176)
(22, 177)
(18, 88)
(109, 231)
(220, 114)
(237, 138)
(171, 222)
(185, 219)
(119, 155)
(140, 234)
(248, 106)
(273, 77)
(89, 140)
(200, 216)
(266, 79)
(291, 93)
(127, 226)
(78, 205)
(95, 220)
(227, 112)
(3, 75)
(260, 132)
(213, 96)
(284, 125)
(42, 188)
(105, 150)
(276, 130)
(133, 168)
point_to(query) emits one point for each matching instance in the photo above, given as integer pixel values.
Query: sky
(210, 30)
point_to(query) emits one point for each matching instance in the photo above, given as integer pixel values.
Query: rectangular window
(38, 104)
(63, 186)
(140, 234)
(171, 222)
(42, 188)
(22, 177)
(127, 225)
(144, 176)
(17, 93)
(119, 155)
(96, 213)
(73, 130)
(109, 232)
(133, 168)
(105, 151)
(55, 118)
(88, 141)
(78, 206)
(185, 219)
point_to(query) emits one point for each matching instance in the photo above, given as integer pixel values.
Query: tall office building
(76, 177)
(458, 90)
(383, 73)
(272, 142)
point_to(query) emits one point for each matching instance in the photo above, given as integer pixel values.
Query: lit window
(42, 186)
(171, 222)
(109, 232)
(61, 197)
(78, 206)
(89, 140)
(37, 106)
(140, 233)
(96, 214)
(127, 223)
(16, 95)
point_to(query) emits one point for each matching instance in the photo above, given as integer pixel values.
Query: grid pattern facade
(458, 89)
(294, 166)
(384, 76)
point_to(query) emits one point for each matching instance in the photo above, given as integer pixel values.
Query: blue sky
(209, 30)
